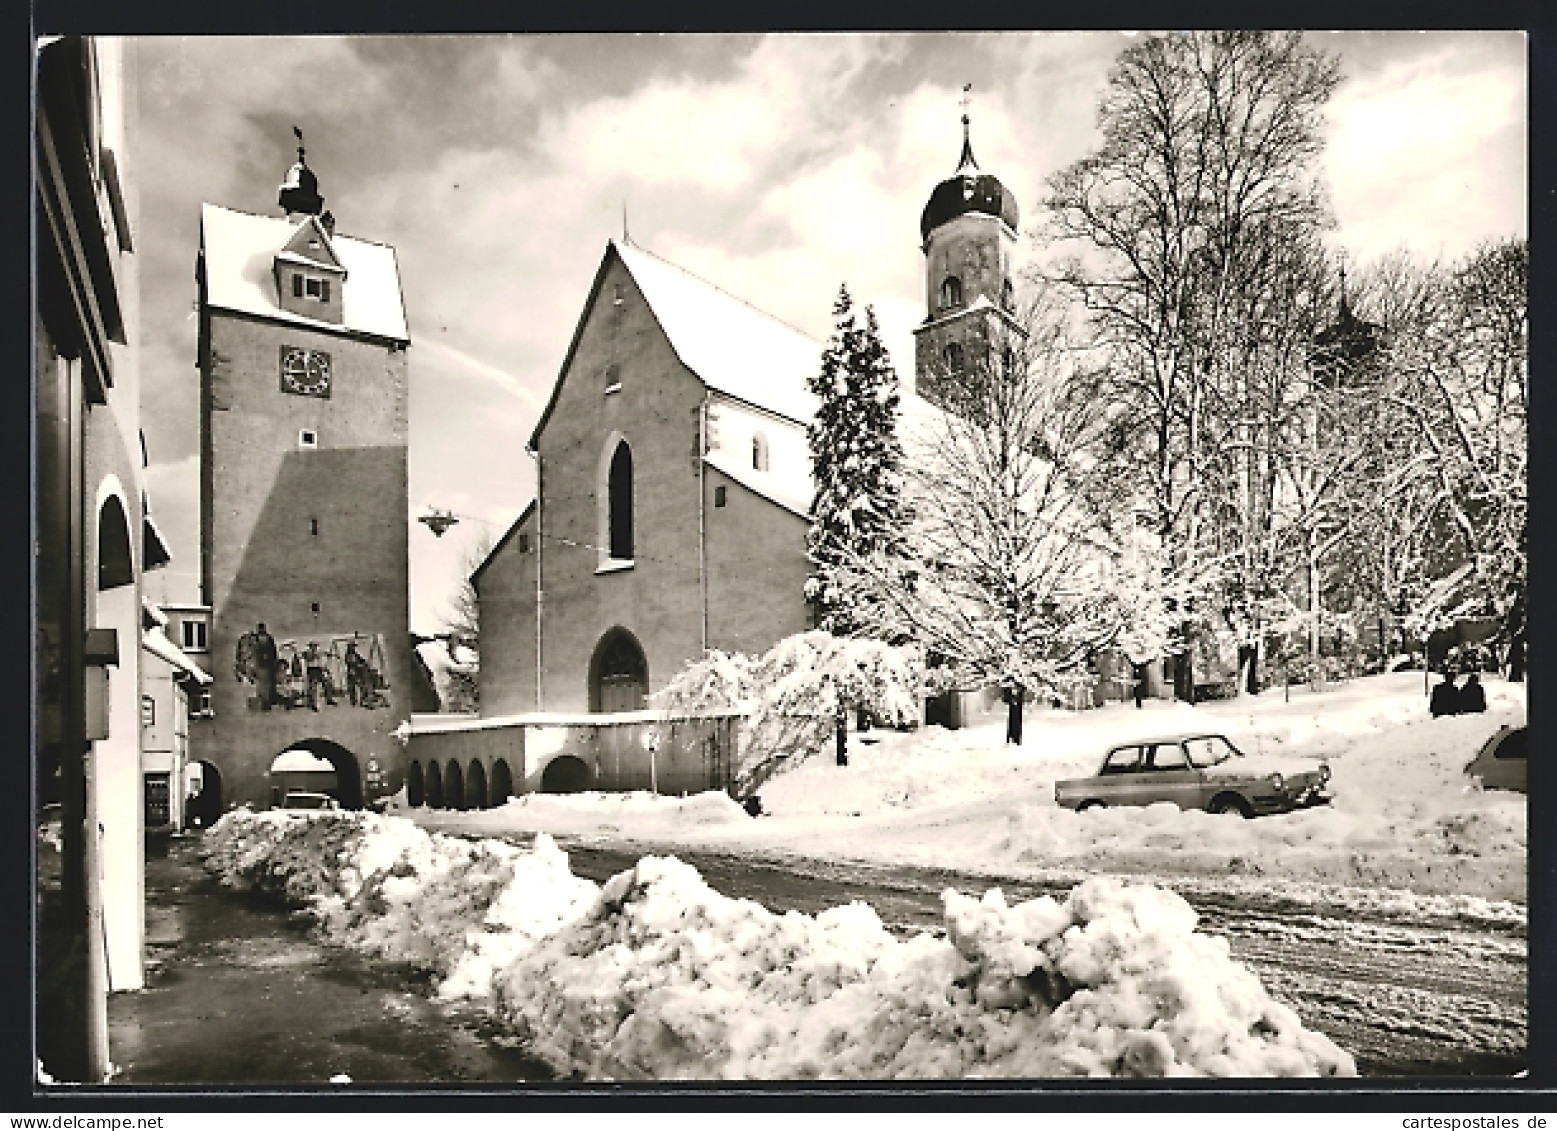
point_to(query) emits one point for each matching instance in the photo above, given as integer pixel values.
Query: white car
(299, 799)
(1197, 771)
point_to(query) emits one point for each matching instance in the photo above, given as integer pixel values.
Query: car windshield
(1210, 750)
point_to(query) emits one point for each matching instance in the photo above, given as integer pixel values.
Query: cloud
(458, 363)
(1429, 151)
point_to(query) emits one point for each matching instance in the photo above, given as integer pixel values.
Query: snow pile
(668, 979)
(658, 976)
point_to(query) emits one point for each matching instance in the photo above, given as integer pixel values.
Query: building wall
(978, 249)
(733, 426)
(687, 756)
(266, 497)
(656, 410)
(757, 569)
(506, 592)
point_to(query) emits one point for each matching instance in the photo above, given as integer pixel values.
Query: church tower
(304, 565)
(968, 230)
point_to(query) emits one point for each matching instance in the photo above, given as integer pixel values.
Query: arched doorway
(476, 786)
(618, 674)
(300, 771)
(415, 786)
(204, 809)
(434, 786)
(454, 786)
(502, 783)
(565, 774)
(348, 776)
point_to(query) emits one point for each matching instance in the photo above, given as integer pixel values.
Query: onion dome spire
(969, 189)
(299, 193)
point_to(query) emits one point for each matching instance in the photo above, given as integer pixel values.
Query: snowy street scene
(857, 560)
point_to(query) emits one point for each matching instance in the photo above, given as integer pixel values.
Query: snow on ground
(1406, 823)
(657, 976)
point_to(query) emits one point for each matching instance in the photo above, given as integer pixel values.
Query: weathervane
(299, 134)
(966, 100)
(439, 521)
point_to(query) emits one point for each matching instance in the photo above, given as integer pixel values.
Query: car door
(1173, 778)
(1118, 780)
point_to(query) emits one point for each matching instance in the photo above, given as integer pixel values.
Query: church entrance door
(619, 674)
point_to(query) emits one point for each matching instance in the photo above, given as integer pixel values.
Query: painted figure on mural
(359, 683)
(319, 684)
(262, 657)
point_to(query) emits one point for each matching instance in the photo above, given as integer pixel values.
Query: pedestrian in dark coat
(1473, 697)
(1446, 698)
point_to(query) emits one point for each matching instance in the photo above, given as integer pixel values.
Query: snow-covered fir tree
(856, 460)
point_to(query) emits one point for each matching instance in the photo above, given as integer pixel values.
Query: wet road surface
(238, 992)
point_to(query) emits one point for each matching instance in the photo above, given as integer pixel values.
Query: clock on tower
(305, 372)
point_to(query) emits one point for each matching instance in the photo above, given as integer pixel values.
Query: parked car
(303, 799)
(1197, 771)
(1500, 764)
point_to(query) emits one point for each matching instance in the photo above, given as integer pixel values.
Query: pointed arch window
(951, 292)
(1007, 295)
(759, 452)
(619, 504)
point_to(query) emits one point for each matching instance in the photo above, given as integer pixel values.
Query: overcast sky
(775, 166)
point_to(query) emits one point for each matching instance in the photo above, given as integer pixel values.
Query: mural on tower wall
(324, 670)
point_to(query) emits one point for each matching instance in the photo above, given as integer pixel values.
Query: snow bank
(658, 976)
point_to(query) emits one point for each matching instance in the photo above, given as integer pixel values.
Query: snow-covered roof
(240, 251)
(791, 488)
(155, 641)
(735, 348)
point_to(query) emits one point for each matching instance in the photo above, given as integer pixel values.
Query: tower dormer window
(951, 292)
(759, 452)
(1007, 295)
(306, 286)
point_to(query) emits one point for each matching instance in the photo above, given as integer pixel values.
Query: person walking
(1446, 698)
(1473, 697)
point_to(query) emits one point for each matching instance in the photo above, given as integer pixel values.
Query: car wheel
(1092, 804)
(1229, 805)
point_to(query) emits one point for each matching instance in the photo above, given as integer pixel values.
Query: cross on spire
(296, 130)
(967, 165)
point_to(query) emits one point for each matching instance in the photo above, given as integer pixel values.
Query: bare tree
(1464, 385)
(1189, 238)
(1004, 580)
(462, 624)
